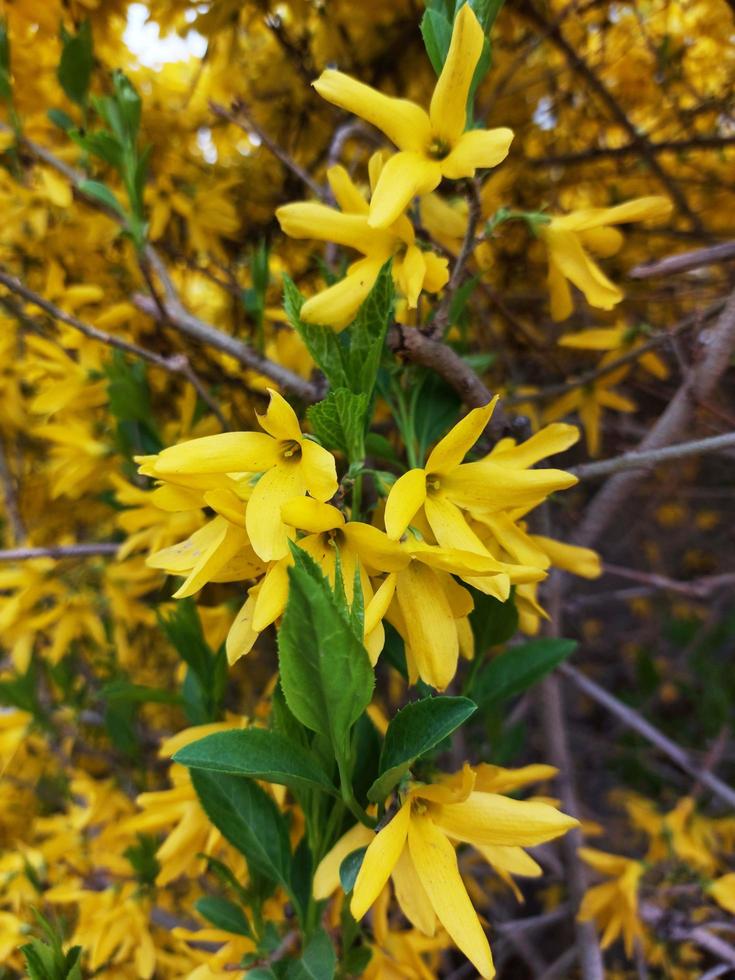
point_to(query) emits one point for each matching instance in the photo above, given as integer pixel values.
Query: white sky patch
(544, 116)
(143, 38)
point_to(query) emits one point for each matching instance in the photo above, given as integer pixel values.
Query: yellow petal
(495, 779)
(570, 557)
(241, 637)
(477, 149)
(452, 449)
(451, 528)
(602, 242)
(307, 219)
(228, 452)
(272, 595)
(437, 272)
(311, 515)
(378, 605)
(336, 306)
(449, 102)
(318, 470)
(405, 498)
(560, 294)
(225, 546)
(430, 628)
(380, 858)
(280, 420)
(376, 549)
(409, 273)
(436, 866)
(404, 123)
(326, 879)
(411, 896)
(348, 197)
(601, 338)
(576, 265)
(266, 530)
(488, 487)
(489, 818)
(723, 892)
(403, 177)
(511, 859)
(549, 441)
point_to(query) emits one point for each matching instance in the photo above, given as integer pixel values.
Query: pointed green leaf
(340, 420)
(415, 730)
(258, 753)
(518, 669)
(224, 914)
(77, 61)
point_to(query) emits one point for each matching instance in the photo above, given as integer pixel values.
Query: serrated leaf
(340, 420)
(414, 731)
(326, 675)
(224, 914)
(258, 753)
(518, 669)
(6, 85)
(322, 342)
(76, 64)
(318, 962)
(249, 819)
(366, 337)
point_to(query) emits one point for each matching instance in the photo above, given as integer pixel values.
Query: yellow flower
(723, 892)
(567, 238)
(432, 145)
(446, 486)
(416, 848)
(588, 401)
(613, 904)
(412, 269)
(360, 546)
(290, 465)
(616, 340)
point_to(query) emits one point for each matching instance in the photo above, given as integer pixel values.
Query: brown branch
(175, 364)
(240, 117)
(637, 139)
(698, 386)
(637, 723)
(699, 588)
(60, 551)
(654, 457)
(685, 261)
(630, 149)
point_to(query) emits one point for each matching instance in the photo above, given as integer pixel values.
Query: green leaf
(415, 730)
(326, 675)
(100, 144)
(122, 690)
(322, 342)
(486, 11)
(436, 31)
(258, 753)
(318, 962)
(77, 61)
(183, 630)
(366, 337)
(350, 868)
(103, 194)
(492, 621)
(435, 408)
(249, 819)
(224, 914)
(340, 420)
(6, 84)
(518, 669)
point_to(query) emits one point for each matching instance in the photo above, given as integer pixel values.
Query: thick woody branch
(631, 149)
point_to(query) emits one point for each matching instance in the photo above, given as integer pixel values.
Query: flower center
(438, 149)
(290, 451)
(433, 483)
(335, 538)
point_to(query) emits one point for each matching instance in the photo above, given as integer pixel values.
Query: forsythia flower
(417, 849)
(613, 904)
(290, 465)
(413, 269)
(432, 145)
(588, 401)
(567, 239)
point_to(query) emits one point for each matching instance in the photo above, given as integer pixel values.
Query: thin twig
(10, 496)
(654, 457)
(60, 551)
(561, 966)
(240, 117)
(633, 720)
(698, 588)
(174, 364)
(630, 149)
(440, 321)
(685, 261)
